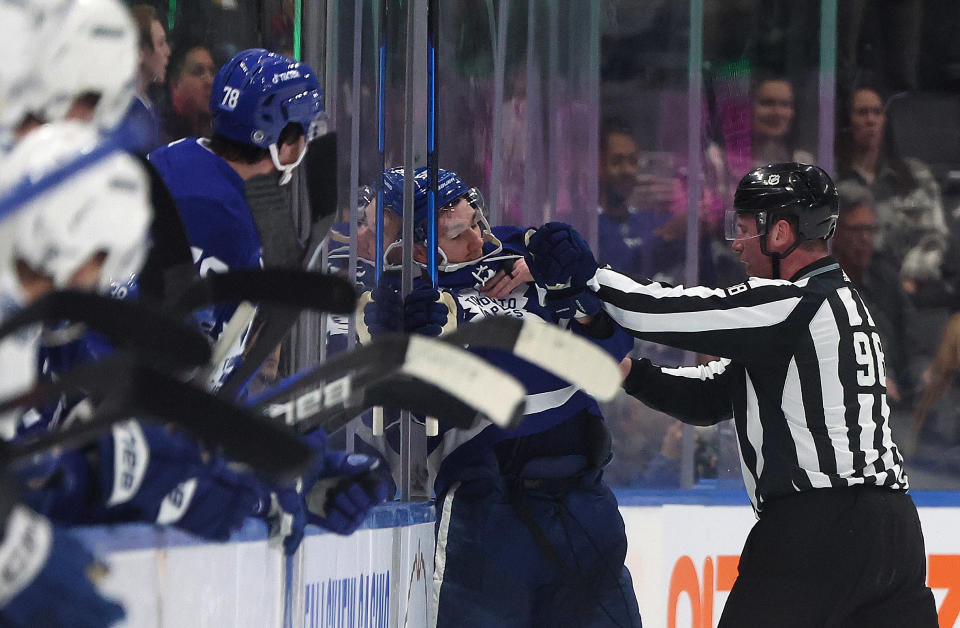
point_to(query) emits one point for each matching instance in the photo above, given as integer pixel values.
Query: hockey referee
(838, 540)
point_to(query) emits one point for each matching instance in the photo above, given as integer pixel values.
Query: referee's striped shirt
(801, 372)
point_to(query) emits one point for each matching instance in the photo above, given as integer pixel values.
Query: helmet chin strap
(776, 257)
(286, 171)
(444, 265)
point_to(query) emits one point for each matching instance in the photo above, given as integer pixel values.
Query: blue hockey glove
(287, 514)
(213, 504)
(562, 263)
(351, 486)
(46, 577)
(424, 312)
(384, 313)
(559, 258)
(138, 465)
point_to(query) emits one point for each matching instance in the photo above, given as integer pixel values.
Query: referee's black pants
(834, 558)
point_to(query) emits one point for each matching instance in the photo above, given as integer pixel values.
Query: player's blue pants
(491, 570)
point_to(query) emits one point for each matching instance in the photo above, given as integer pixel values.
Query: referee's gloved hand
(562, 263)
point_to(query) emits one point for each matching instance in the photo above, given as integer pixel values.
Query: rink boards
(683, 558)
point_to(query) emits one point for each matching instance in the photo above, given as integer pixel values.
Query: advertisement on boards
(683, 560)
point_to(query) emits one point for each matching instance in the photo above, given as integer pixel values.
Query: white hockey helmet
(104, 207)
(91, 48)
(20, 28)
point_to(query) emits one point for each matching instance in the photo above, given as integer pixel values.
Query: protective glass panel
(897, 165)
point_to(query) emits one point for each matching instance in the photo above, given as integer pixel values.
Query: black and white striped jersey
(801, 372)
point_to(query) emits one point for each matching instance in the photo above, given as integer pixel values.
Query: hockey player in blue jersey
(266, 108)
(527, 531)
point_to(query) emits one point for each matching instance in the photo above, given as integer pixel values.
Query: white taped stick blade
(467, 377)
(570, 358)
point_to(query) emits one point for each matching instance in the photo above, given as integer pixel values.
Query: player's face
(192, 89)
(747, 246)
(772, 109)
(155, 61)
(459, 234)
(867, 119)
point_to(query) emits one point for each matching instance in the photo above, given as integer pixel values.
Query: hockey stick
(381, 150)
(328, 389)
(320, 168)
(127, 324)
(277, 323)
(134, 390)
(555, 350)
(433, 169)
(288, 286)
(395, 391)
(285, 286)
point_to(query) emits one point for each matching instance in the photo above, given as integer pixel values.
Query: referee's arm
(698, 395)
(752, 322)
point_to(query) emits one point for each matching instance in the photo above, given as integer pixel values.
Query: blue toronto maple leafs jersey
(209, 195)
(550, 400)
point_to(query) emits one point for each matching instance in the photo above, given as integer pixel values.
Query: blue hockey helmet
(450, 189)
(258, 92)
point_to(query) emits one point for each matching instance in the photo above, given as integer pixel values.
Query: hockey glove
(352, 485)
(562, 263)
(138, 465)
(429, 312)
(46, 577)
(214, 504)
(287, 514)
(382, 313)
(141, 463)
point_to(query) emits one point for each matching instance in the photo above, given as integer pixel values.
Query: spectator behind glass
(771, 132)
(143, 116)
(876, 279)
(907, 198)
(771, 123)
(940, 380)
(191, 78)
(642, 223)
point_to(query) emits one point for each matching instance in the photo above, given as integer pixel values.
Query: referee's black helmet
(777, 191)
